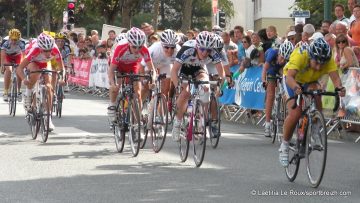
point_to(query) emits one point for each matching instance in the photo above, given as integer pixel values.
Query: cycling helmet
(120, 37)
(286, 49)
(60, 35)
(319, 50)
(205, 39)
(14, 34)
(218, 42)
(45, 41)
(168, 38)
(136, 37)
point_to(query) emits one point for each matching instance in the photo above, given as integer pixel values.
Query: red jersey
(33, 54)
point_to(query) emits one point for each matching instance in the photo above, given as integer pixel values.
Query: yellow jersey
(300, 61)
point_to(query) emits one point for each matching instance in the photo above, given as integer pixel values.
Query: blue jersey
(13, 49)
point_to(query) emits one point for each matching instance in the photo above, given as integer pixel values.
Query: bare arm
(111, 75)
(20, 68)
(174, 73)
(151, 67)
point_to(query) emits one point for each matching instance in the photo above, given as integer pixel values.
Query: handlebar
(299, 97)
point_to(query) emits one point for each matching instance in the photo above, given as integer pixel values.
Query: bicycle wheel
(160, 123)
(172, 109)
(13, 97)
(119, 128)
(214, 122)
(184, 141)
(144, 121)
(275, 120)
(316, 148)
(44, 115)
(199, 133)
(134, 125)
(294, 159)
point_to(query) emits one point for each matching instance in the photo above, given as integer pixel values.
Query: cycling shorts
(192, 71)
(13, 58)
(290, 92)
(128, 68)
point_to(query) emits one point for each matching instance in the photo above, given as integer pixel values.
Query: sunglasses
(204, 49)
(244, 42)
(167, 47)
(319, 61)
(342, 41)
(291, 38)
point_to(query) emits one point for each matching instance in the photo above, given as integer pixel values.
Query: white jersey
(224, 59)
(160, 60)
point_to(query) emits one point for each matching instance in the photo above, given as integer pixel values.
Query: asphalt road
(79, 163)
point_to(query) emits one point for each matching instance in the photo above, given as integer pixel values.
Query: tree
(156, 14)
(316, 9)
(187, 13)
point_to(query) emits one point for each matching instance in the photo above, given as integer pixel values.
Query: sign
(301, 14)
(99, 73)
(82, 72)
(250, 93)
(106, 28)
(215, 6)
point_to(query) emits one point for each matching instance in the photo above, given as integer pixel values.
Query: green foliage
(316, 9)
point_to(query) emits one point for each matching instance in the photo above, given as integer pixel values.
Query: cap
(291, 33)
(316, 36)
(309, 28)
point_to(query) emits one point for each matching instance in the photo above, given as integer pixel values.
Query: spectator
(272, 35)
(230, 48)
(109, 45)
(355, 25)
(351, 5)
(249, 32)
(217, 30)
(330, 39)
(264, 39)
(298, 30)
(154, 38)
(80, 45)
(149, 31)
(339, 14)
(345, 58)
(248, 47)
(95, 41)
(325, 27)
(94, 32)
(112, 35)
(238, 36)
(101, 51)
(190, 35)
(308, 31)
(183, 38)
(81, 37)
(291, 37)
(83, 53)
(257, 55)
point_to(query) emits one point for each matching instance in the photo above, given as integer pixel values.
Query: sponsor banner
(99, 73)
(81, 72)
(250, 93)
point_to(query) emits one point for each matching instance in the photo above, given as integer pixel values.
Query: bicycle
(311, 138)
(127, 114)
(58, 97)
(214, 115)
(13, 94)
(39, 115)
(155, 117)
(193, 125)
(278, 112)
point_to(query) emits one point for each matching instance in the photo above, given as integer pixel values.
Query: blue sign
(301, 14)
(250, 93)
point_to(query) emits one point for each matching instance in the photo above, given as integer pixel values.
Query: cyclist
(275, 59)
(12, 49)
(127, 55)
(190, 61)
(39, 53)
(66, 54)
(163, 56)
(301, 73)
(218, 47)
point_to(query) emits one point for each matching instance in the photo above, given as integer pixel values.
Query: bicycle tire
(214, 126)
(199, 133)
(292, 169)
(159, 129)
(312, 146)
(184, 141)
(119, 128)
(134, 125)
(280, 124)
(45, 115)
(60, 96)
(173, 108)
(13, 98)
(275, 121)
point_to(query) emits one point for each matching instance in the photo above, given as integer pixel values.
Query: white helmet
(168, 38)
(45, 41)
(136, 37)
(120, 37)
(205, 39)
(218, 42)
(286, 49)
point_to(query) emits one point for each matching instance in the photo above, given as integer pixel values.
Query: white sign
(106, 28)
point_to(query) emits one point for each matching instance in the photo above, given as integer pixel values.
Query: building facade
(257, 14)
